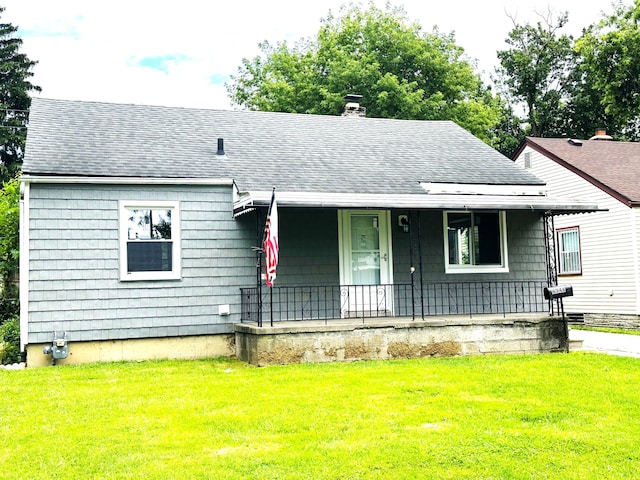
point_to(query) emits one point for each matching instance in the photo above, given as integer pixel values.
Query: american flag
(270, 240)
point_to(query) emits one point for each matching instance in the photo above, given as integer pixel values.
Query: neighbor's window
(569, 250)
(475, 242)
(149, 241)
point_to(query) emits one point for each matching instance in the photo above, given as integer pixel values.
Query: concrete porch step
(575, 344)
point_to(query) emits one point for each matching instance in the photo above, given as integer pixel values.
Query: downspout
(259, 268)
(24, 264)
(420, 265)
(411, 268)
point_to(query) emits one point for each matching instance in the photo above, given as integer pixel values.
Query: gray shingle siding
(525, 245)
(74, 264)
(74, 260)
(309, 246)
(309, 249)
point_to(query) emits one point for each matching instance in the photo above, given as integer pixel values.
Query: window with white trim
(149, 240)
(475, 242)
(569, 251)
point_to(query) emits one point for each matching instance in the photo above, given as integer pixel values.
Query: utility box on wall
(59, 348)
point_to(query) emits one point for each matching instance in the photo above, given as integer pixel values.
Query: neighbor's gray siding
(74, 264)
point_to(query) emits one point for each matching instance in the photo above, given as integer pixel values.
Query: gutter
(26, 178)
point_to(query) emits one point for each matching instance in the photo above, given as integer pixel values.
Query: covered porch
(448, 272)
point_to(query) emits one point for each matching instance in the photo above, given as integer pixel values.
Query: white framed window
(475, 242)
(570, 262)
(149, 240)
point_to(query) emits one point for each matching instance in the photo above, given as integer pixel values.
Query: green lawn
(557, 416)
(606, 329)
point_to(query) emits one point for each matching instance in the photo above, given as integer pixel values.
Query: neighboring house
(597, 253)
(140, 226)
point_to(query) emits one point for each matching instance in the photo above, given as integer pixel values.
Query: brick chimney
(352, 106)
(601, 134)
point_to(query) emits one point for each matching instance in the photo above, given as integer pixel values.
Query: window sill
(449, 269)
(149, 276)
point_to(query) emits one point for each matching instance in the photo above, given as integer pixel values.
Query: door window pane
(365, 249)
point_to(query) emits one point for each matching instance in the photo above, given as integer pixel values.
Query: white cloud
(103, 51)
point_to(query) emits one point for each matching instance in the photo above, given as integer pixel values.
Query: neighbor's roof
(610, 165)
(311, 157)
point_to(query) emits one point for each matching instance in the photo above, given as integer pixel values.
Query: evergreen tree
(15, 72)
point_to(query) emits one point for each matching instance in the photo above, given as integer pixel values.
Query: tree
(606, 86)
(400, 71)
(509, 132)
(9, 248)
(15, 71)
(533, 72)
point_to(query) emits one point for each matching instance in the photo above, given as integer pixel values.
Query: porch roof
(247, 201)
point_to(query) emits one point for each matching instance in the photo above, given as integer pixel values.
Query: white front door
(366, 273)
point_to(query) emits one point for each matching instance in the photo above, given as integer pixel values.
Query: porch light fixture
(403, 223)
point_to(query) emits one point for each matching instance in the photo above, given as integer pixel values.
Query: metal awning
(246, 201)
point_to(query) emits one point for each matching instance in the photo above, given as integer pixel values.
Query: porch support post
(550, 252)
(411, 267)
(420, 266)
(259, 267)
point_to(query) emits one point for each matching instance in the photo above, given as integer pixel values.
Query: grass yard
(606, 329)
(558, 416)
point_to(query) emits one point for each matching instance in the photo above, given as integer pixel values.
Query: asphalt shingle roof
(292, 152)
(612, 165)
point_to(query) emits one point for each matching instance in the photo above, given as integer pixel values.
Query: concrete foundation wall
(612, 320)
(348, 342)
(186, 348)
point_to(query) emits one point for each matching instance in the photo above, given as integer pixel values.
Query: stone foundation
(298, 342)
(631, 322)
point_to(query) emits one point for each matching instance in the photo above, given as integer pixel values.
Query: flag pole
(258, 251)
(270, 248)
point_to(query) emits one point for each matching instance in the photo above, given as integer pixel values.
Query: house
(597, 253)
(141, 227)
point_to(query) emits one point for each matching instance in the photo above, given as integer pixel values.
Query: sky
(181, 53)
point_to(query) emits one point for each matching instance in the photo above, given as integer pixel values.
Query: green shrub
(10, 341)
(9, 303)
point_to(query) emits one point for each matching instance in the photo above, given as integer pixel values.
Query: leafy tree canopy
(607, 78)
(15, 72)
(533, 70)
(401, 72)
(9, 248)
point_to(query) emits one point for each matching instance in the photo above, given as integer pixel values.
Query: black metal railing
(294, 303)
